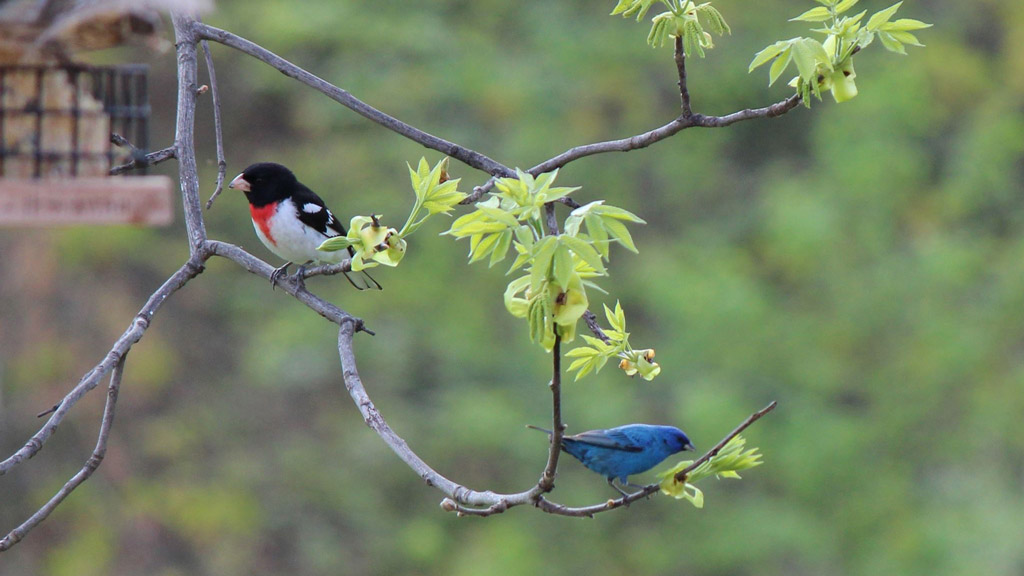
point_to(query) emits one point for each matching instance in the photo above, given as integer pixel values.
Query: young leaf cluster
(373, 243)
(726, 464)
(552, 294)
(828, 65)
(592, 358)
(683, 19)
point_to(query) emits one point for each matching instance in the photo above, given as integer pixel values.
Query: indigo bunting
(626, 450)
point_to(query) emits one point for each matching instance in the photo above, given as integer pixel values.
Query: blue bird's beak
(689, 446)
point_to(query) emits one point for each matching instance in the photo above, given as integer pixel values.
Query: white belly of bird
(294, 241)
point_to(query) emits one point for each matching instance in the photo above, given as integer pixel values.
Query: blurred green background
(862, 264)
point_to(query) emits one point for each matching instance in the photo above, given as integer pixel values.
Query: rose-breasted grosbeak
(291, 220)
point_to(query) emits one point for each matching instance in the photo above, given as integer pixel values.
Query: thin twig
(139, 160)
(343, 97)
(547, 477)
(218, 131)
(550, 220)
(591, 319)
(133, 334)
(684, 92)
(376, 422)
(681, 476)
(90, 466)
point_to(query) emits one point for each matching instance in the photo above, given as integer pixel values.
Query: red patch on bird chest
(261, 217)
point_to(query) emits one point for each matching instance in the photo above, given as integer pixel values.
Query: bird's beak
(240, 183)
(689, 447)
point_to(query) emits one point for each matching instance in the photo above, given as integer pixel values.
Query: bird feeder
(57, 122)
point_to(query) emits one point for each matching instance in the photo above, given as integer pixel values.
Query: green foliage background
(863, 264)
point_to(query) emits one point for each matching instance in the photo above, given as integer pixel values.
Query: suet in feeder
(56, 153)
(58, 118)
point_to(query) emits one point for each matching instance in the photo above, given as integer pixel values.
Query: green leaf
(516, 306)
(481, 246)
(765, 56)
(816, 14)
(715, 20)
(904, 25)
(879, 18)
(597, 232)
(585, 251)
(845, 5)
(780, 65)
(562, 267)
(891, 44)
(498, 215)
(693, 37)
(501, 248)
(905, 38)
(335, 244)
(581, 352)
(619, 323)
(543, 253)
(632, 7)
(618, 231)
(618, 213)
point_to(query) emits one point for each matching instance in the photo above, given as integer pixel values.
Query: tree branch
(547, 477)
(684, 92)
(90, 466)
(465, 155)
(133, 334)
(139, 159)
(376, 422)
(218, 131)
(184, 133)
(681, 476)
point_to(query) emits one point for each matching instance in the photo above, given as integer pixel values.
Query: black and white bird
(292, 221)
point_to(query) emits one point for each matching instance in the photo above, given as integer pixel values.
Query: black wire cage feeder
(57, 120)
(58, 123)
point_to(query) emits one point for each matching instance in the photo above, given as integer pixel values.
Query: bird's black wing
(612, 439)
(314, 213)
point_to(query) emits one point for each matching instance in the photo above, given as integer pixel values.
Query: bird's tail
(544, 430)
(362, 281)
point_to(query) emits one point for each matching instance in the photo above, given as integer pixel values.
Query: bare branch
(90, 466)
(289, 284)
(547, 478)
(139, 159)
(184, 133)
(218, 131)
(376, 422)
(591, 319)
(138, 327)
(343, 97)
(681, 476)
(777, 109)
(684, 92)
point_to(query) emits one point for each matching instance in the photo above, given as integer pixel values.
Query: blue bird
(623, 451)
